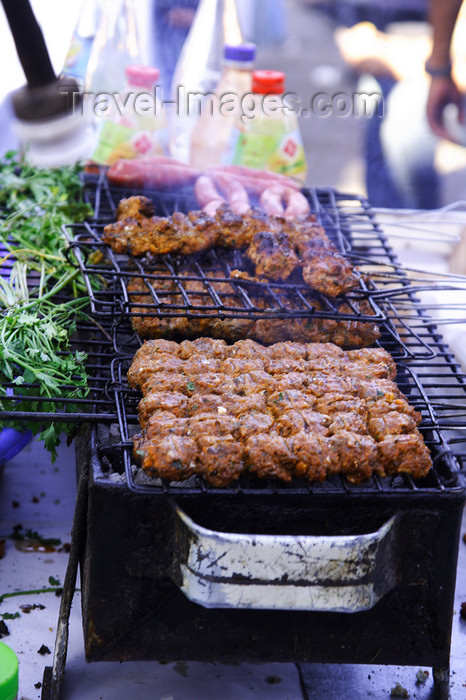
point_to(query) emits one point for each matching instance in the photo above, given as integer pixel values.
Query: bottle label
(268, 146)
(77, 58)
(120, 141)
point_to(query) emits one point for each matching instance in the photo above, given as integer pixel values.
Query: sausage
(157, 173)
(297, 205)
(275, 197)
(271, 202)
(207, 195)
(242, 171)
(234, 192)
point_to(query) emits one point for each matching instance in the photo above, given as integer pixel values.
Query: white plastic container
(211, 134)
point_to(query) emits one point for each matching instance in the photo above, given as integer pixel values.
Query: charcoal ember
(44, 650)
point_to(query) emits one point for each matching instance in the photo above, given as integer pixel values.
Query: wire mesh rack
(437, 394)
(96, 403)
(178, 297)
(387, 296)
(25, 403)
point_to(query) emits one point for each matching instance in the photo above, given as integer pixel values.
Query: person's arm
(443, 89)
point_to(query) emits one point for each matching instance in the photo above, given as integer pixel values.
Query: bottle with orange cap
(267, 135)
(133, 123)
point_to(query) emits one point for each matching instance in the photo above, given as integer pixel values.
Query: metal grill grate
(386, 295)
(204, 287)
(435, 388)
(438, 394)
(92, 338)
(97, 405)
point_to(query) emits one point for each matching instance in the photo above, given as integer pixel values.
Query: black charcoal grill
(133, 579)
(146, 592)
(155, 584)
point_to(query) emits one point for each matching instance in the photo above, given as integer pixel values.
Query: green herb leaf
(10, 616)
(35, 330)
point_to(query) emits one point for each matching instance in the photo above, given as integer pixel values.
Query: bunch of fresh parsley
(37, 367)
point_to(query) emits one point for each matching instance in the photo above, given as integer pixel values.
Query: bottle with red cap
(267, 135)
(211, 134)
(133, 121)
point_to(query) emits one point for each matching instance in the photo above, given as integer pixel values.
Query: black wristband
(438, 71)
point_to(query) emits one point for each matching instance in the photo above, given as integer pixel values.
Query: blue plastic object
(11, 442)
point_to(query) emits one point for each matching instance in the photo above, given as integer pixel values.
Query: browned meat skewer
(325, 269)
(138, 208)
(260, 422)
(146, 322)
(273, 255)
(276, 245)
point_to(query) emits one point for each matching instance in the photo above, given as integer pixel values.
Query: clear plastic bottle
(116, 46)
(136, 126)
(267, 137)
(211, 134)
(199, 67)
(77, 58)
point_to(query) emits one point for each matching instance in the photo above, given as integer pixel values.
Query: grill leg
(441, 683)
(54, 677)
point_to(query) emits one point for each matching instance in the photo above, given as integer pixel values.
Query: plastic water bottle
(116, 46)
(267, 136)
(77, 58)
(199, 68)
(211, 134)
(136, 124)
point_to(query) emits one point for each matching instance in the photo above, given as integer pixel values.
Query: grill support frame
(133, 611)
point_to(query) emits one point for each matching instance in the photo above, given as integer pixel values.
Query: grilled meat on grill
(235, 231)
(269, 457)
(272, 254)
(325, 269)
(149, 325)
(276, 245)
(246, 409)
(219, 459)
(135, 208)
(171, 457)
(161, 401)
